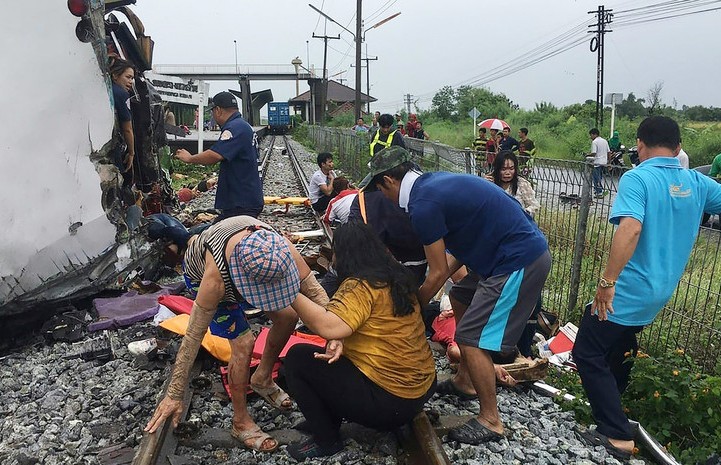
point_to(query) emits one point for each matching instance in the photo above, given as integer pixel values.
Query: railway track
(419, 441)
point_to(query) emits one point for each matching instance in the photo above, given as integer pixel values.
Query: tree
(654, 98)
(489, 104)
(631, 107)
(444, 103)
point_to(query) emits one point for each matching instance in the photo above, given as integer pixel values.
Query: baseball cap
(223, 100)
(384, 160)
(264, 272)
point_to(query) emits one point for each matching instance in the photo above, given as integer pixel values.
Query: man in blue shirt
(657, 210)
(488, 231)
(240, 191)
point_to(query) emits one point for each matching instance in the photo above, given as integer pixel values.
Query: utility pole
(358, 41)
(368, 59)
(368, 80)
(407, 99)
(324, 98)
(603, 17)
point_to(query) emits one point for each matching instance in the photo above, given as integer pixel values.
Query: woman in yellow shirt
(377, 369)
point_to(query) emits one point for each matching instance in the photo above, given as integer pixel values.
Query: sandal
(275, 396)
(448, 388)
(594, 438)
(473, 432)
(254, 439)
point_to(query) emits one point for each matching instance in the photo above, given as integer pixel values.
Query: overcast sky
(437, 43)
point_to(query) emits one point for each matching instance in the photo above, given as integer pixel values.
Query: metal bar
(580, 239)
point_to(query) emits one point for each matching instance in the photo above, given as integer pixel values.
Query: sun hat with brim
(384, 160)
(264, 272)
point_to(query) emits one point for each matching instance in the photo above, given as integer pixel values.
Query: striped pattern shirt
(215, 239)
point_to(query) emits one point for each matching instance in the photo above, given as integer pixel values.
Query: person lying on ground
(339, 207)
(237, 264)
(378, 369)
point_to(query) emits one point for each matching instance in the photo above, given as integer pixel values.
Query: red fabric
(293, 340)
(311, 338)
(445, 330)
(176, 303)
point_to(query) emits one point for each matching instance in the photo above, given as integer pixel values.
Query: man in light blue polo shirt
(657, 210)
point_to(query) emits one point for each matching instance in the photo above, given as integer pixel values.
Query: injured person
(235, 265)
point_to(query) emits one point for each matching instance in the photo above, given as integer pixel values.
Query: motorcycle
(633, 156)
(616, 164)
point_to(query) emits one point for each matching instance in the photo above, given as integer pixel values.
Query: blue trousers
(600, 355)
(598, 179)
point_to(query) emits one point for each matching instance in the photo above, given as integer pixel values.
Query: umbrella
(494, 123)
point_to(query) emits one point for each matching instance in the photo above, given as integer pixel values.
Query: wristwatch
(606, 283)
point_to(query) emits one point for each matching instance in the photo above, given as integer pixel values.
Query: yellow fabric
(218, 347)
(376, 140)
(391, 351)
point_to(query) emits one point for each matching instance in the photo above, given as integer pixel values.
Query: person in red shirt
(411, 125)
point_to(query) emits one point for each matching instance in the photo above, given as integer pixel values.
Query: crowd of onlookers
(413, 128)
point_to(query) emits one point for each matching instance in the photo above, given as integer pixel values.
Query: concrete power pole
(358, 40)
(368, 59)
(324, 97)
(408, 102)
(603, 18)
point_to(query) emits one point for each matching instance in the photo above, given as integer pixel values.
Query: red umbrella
(494, 123)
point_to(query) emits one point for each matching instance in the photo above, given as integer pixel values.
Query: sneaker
(309, 449)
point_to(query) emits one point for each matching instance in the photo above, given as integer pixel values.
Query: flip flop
(448, 388)
(595, 438)
(473, 432)
(254, 439)
(275, 396)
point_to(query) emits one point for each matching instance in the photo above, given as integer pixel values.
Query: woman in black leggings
(377, 369)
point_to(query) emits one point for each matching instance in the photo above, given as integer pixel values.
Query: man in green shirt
(715, 167)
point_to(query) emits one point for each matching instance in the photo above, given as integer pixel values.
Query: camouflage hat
(386, 159)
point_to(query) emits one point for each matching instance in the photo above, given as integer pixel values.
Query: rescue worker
(386, 135)
(240, 191)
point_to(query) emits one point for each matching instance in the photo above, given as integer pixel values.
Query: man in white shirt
(320, 187)
(682, 156)
(599, 151)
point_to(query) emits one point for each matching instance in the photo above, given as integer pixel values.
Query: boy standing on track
(657, 211)
(490, 233)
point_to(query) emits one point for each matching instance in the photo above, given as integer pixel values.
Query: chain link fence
(579, 235)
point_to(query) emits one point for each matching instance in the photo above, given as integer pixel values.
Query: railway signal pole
(603, 17)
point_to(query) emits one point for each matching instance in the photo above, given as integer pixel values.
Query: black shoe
(309, 449)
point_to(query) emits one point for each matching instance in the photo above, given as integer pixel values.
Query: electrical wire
(380, 10)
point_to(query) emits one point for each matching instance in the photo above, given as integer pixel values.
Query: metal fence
(579, 235)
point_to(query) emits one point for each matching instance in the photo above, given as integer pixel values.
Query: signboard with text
(179, 90)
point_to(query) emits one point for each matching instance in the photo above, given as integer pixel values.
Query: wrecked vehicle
(70, 225)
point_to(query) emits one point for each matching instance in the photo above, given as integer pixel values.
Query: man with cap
(240, 191)
(507, 255)
(386, 135)
(235, 265)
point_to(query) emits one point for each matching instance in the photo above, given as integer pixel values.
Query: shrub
(667, 395)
